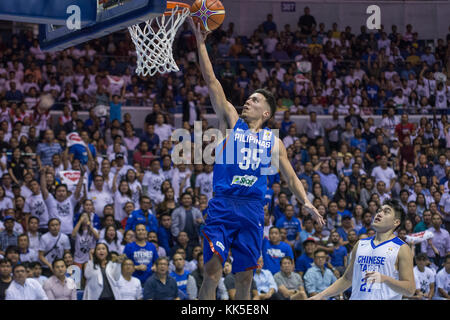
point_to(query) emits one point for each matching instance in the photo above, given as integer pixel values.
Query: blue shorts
(236, 224)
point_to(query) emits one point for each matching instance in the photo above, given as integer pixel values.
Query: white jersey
(380, 258)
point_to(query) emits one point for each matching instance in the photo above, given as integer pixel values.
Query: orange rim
(173, 4)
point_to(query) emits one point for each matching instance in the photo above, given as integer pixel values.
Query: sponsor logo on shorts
(220, 245)
(246, 181)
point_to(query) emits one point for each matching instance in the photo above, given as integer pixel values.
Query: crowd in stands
(130, 227)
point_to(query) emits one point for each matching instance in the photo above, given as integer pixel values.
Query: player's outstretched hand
(199, 34)
(315, 213)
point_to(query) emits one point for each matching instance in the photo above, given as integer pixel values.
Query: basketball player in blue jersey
(235, 215)
(381, 267)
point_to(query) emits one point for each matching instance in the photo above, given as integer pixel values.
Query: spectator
(85, 237)
(143, 216)
(318, 277)
(27, 254)
(290, 284)
(274, 250)
(23, 288)
(442, 281)
(306, 260)
(187, 218)
(52, 245)
(101, 273)
(441, 240)
(5, 277)
(265, 283)
(338, 255)
(143, 254)
(8, 237)
(306, 22)
(130, 287)
(47, 149)
(424, 278)
(187, 289)
(58, 286)
(161, 286)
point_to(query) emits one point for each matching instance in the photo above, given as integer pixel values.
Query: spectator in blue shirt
(143, 216)
(339, 255)
(181, 276)
(292, 225)
(269, 25)
(161, 286)
(143, 254)
(115, 108)
(273, 250)
(306, 232)
(306, 260)
(346, 227)
(318, 277)
(47, 149)
(366, 222)
(165, 237)
(358, 142)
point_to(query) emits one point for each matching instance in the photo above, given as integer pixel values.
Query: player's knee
(244, 278)
(213, 270)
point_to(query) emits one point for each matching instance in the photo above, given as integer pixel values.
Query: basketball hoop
(153, 40)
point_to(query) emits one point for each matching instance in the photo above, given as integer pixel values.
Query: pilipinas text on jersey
(243, 160)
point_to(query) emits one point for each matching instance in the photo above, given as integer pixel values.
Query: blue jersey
(142, 255)
(243, 161)
(292, 226)
(181, 281)
(272, 255)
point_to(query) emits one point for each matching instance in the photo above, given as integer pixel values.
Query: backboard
(46, 11)
(111, 16)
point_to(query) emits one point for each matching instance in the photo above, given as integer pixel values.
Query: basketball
(46, 101)
(209, 13)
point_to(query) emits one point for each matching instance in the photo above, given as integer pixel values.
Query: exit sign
(287, 6)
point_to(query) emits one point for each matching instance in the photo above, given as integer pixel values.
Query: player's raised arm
(341, 284)
(281, 161)
(225, 111)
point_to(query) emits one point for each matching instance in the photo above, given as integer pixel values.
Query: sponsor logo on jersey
(246, 181)
(267, 135)
(220, 245)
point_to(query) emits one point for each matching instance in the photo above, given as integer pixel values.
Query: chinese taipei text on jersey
(235, 215)
(380, 258)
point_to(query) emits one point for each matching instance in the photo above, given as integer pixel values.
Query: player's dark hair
(270, 100)
(398, 211)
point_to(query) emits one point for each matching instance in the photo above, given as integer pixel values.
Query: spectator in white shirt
(424, 278)
(23, 288)
(384, 173)
(163, 130)
(443, 281)
(130, 287)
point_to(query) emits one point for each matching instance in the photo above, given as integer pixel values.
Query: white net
(153, 40)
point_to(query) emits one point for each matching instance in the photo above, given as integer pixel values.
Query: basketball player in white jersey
(381, 267)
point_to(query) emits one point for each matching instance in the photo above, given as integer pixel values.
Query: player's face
(385, 219)
(255, 108)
